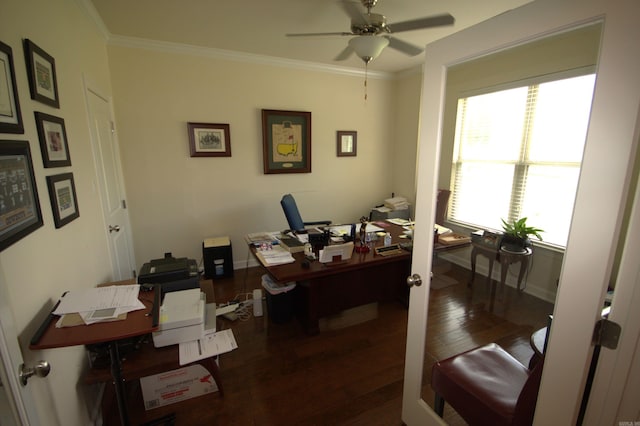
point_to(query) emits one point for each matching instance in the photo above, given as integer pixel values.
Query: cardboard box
(176, 385)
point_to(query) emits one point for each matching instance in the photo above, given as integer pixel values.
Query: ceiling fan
(371, 33)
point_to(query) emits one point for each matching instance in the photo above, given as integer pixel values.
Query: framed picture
(20, 212)
(53, 140)
(209, 140)
(347, 142)
(286, 139)
(10, 117)
(41, 69)
(62, 191)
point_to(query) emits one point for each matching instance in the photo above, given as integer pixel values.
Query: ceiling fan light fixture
(368, 47)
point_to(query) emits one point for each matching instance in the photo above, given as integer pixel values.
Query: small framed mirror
(347, 143)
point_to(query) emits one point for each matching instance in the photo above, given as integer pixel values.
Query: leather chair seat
(482, 385)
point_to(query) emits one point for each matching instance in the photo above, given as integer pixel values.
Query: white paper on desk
(109, 314)
(93, 299)
(369, 228)
(214, 344)
(399, 221)
(340, 230)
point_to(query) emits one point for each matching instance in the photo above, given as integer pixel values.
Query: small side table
(508, 257)
(505, 258)
(490, 253)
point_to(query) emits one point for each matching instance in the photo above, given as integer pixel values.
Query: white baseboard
(482, 270)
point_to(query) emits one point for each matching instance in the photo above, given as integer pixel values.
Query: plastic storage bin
(279, 299)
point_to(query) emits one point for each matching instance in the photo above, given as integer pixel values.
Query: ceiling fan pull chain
(366, 69)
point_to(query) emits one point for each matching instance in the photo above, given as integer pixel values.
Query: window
(518, 152)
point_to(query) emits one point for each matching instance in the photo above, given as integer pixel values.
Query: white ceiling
(259, 26)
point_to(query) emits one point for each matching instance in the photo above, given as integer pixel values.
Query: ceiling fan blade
(352, 9)
(403, 46)
(319, 34)
(345, 54)
(418, 24)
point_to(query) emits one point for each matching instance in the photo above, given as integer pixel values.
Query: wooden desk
(110, 335)
(327, 289)
(138, 323)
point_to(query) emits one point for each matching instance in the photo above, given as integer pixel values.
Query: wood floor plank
(278, 375)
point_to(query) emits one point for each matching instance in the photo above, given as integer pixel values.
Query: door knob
(414, 279)
(41, 369)
(114, 228)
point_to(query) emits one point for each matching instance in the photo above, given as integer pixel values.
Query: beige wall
(406, 115)
(176, 201)
(40, 267)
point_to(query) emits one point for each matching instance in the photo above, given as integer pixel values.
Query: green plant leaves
(518, 228)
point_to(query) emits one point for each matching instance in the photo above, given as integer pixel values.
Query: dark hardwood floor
(348, 376)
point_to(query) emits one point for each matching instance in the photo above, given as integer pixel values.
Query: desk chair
(292, 214)
(487, 386)
(442, 204)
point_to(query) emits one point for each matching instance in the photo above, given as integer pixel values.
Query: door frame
(592, 242)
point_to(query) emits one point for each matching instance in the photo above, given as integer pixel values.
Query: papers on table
(396, 203)
(98, 304)
(400, 222)
(259, 238)
(441, 229)
(210, 345)
(274, 255)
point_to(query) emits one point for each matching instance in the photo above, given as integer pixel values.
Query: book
(293, 245)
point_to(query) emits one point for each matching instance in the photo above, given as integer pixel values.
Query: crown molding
(185, 49)
(89, 9)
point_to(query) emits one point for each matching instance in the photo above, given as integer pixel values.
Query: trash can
(217, 257)
(279, 299)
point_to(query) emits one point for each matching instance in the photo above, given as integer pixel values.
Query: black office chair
(292, 214)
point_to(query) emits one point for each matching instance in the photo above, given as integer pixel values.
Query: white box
(176, 385)
(182, 317)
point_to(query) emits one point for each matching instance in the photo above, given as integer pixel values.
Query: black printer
(171, 273)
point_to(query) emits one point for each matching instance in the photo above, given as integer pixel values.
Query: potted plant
(516, 235)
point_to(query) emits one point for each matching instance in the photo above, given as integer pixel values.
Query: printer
(184, 317)
(171, 273)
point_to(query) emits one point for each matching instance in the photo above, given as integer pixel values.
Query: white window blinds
(517, 153)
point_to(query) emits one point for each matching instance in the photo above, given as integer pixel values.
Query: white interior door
(615, 398)
(111, 184)
(17, 405)
(600, 199)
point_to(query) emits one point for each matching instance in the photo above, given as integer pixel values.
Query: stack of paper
(274, 255)
(98, 304)
(259, 238)
(396, 203)
(441, 230)
(210, 345)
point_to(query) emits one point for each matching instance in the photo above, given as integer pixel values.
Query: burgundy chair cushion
(482, 385)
